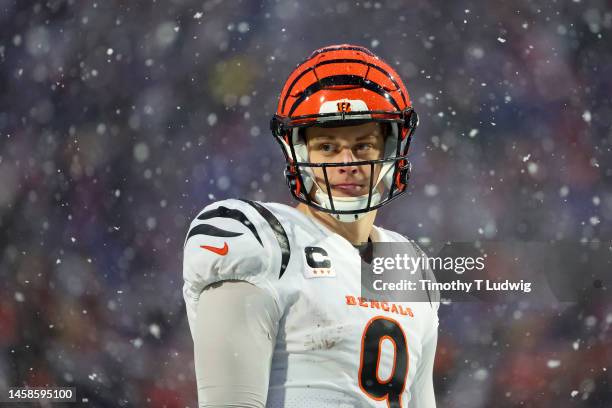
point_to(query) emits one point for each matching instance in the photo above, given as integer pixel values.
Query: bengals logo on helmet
(344, 106)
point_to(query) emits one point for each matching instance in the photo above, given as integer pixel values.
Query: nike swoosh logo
(221, 251)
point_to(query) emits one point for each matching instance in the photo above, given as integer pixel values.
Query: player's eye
(327, 147)
(364, 147)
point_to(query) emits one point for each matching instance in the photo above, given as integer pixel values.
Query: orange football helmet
(344, 85)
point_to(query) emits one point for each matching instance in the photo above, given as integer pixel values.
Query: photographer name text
(456, 285)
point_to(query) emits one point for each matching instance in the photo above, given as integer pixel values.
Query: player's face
(344, 145)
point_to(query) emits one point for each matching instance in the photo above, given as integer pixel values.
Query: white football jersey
(333, 348)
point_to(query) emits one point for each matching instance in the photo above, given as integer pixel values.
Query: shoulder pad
(234, 239)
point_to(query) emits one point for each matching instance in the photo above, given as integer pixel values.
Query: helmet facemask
(388, 175)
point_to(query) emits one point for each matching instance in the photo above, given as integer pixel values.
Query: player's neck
(355, 232)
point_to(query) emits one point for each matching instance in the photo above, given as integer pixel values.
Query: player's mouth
(349, 189)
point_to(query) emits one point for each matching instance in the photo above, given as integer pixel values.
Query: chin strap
(346, 204)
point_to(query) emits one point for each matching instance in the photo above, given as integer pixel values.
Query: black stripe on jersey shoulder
(224, 212)
(279, 232)
(205, 229)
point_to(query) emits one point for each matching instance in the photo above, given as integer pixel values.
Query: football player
(273, 292)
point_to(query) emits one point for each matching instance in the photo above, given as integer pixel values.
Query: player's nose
(347, 156)
(347, 169)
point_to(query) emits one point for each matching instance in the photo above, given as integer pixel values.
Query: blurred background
(120, 120)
